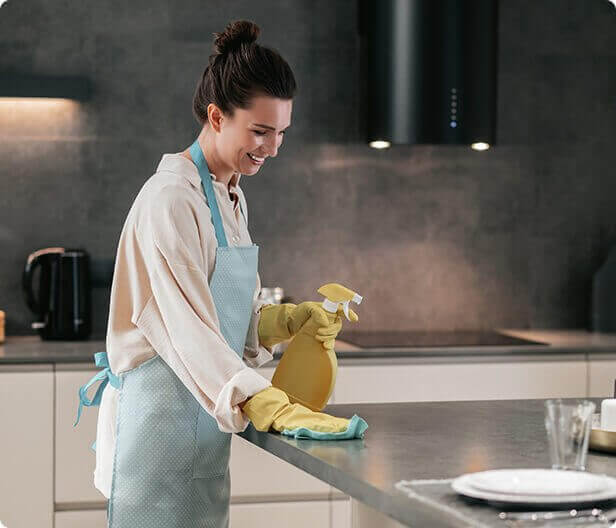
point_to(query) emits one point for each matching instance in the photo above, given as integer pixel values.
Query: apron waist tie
(104, 376)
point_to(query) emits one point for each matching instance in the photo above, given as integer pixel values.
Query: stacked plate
(536, 486)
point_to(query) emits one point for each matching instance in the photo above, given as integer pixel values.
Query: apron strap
(206, 182)
(104, 376)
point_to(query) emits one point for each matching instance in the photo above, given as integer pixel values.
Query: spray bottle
(307, 371)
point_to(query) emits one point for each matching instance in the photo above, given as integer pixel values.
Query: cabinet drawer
(341, 513)
(81, 519)
(306, 514)
(601, 373)
(259, 515)
(463, 381)
(75, 459)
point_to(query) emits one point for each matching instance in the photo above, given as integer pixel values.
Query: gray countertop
(410, 441)
(31, 349)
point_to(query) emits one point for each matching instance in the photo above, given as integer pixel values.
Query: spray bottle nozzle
(336, 295)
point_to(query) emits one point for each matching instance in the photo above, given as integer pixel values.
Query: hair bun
(235, 34)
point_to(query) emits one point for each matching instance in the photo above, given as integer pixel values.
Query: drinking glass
(271, 295)
(568, 425)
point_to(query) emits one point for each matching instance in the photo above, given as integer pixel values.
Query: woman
(184, 311)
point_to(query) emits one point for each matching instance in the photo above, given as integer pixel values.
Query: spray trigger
(336, 295)
(345, 305)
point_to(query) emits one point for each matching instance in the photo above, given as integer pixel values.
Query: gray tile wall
(432, 236)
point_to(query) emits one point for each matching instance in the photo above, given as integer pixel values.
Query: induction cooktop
(438, 338)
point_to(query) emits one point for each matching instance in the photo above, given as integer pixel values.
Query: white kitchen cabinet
(462, 381)
(75, 459)
(26, 447)
(304, 514)
(81, 519)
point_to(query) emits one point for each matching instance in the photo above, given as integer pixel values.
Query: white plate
(464, 486)
(538, 482)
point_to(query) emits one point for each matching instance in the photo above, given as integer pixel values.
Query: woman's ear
(214, 116)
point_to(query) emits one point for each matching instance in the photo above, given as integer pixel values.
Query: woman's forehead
(269, 111)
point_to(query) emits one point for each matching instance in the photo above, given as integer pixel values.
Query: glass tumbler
(272, 295)
(568, 424)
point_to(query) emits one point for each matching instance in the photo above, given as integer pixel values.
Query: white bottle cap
(330, 306)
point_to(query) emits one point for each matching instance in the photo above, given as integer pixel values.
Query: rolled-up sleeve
(180, 319)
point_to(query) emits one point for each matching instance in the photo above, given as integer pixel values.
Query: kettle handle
(34, 260)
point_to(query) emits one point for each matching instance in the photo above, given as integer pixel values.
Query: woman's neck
(223, 173)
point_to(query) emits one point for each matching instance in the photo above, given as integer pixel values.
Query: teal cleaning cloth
(356, 429)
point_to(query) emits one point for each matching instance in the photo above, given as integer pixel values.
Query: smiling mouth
(255, 159)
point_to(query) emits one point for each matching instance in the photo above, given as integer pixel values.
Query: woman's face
(251, 135)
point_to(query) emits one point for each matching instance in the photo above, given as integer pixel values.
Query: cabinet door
(257, 473)
(364, 516)
(463, 381)
(280, 515)
(601, 374)
(26, 448)
(81, 519)
(75, 459)
(341, 513)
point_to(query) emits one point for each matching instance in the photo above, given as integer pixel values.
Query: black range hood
(429, 71)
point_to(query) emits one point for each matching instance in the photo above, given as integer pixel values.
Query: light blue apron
(171, 466)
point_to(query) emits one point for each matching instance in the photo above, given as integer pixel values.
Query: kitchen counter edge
(28, 350)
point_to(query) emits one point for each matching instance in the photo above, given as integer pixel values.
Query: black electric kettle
(62, 304)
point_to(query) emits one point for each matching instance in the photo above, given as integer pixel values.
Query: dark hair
(240, 69)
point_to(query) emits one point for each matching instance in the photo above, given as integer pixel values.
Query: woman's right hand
(280, 322)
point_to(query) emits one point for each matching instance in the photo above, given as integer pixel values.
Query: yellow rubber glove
(327, 335)
(271, 408)
(279, 322)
